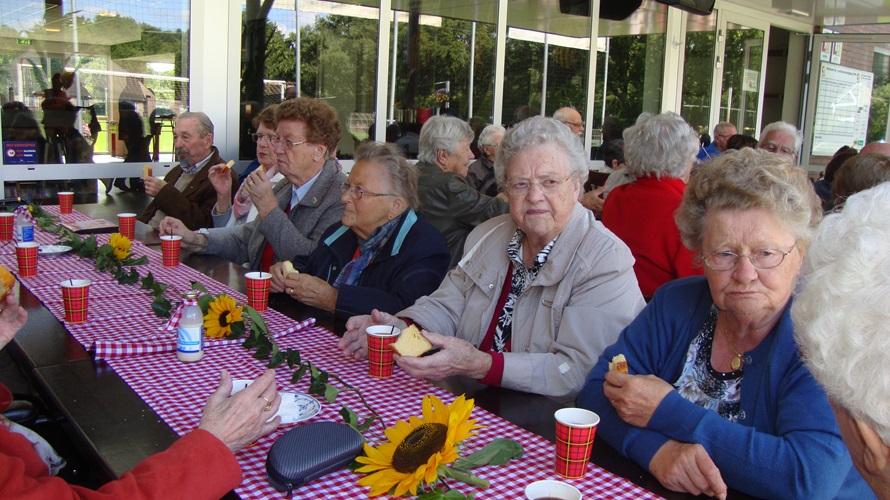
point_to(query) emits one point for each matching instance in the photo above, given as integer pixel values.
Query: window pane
(697, 71)
(97, 84)
(743, 55)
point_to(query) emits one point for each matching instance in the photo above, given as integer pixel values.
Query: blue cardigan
(410, 265)
(786, 443)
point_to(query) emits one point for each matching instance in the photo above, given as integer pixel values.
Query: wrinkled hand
(259, 188)
(277, 284)
(457, 357)
(635, 397)
(153, 185)
(174, 226)
(687, 468)
(311, 291)
(354, 343)
(221, 179)
(592, 201)
(12, 319)
(241, 419)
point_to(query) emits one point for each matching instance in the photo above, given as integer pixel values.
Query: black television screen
(701, 7)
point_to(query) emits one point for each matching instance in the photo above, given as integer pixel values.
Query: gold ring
(251, 183)
(291, 291)
(268, 403)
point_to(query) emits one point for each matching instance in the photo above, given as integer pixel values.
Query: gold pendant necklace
(737, 362)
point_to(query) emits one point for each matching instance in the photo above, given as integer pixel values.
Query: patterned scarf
(522, 280)
(369, 248)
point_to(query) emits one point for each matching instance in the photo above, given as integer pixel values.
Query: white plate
(50, 250)
(294, 407)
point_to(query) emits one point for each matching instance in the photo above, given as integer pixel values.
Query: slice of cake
(618, 364)
(7, 282)
(411, 343)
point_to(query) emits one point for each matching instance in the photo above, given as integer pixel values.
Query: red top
(641, 213)
(198, 465)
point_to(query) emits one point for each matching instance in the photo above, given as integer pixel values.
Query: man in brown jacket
(186, 192)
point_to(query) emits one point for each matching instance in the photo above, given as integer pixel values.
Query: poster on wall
(842, 107)
(19, 152)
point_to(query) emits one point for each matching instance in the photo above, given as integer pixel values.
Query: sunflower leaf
(498, 452)
(438, 494)
(204, 302)
(256, 320)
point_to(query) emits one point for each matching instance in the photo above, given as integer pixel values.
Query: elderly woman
(234, 212)
(481, 171)
(292, 214)
(448, 201)
(382, 254)
(717, 395)
(842, 324)
(541, 291)
(660, 151)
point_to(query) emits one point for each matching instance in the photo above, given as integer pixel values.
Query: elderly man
(722, 132)
(781, 138)
(572, 118)
(293, 214)
(481, 173)
(447, 200)
(186, 192)
(876, 147)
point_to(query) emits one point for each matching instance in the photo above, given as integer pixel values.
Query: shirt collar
(194, 169)
(297, 193)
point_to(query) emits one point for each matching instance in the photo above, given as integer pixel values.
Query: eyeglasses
(767, 258)
(523, 186)
(290, 144)
(259, 138)
(356, 192)
(575, 124)
(772, 147)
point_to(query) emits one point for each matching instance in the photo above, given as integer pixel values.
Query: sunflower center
(224, 318)
(417, 448)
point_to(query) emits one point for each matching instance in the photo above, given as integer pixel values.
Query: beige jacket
(576, 307)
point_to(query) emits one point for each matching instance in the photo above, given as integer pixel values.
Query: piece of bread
(287, 268)
(7, 282)
(411, 343)
(618, 364)
(146, 171)
(228, 166)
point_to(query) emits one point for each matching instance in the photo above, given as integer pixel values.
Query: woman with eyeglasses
(382, 254)
(660, 151)
(717, 396)
(237, 210)
(539, 293)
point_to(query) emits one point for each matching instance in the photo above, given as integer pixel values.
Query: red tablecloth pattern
(123, 329)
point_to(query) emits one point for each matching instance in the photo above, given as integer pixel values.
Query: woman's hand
(277, 285)
(635, 397)
(311, 291)
(243, 418)
(12, 319)
(259, 188)
(687, 468)
(173, 226)
(354, 343)
(221, 179)
(456, 357)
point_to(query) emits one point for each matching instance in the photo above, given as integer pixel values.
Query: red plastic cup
(258, 285)
(66, 199)
(127, 225)
(380, 337)
(26, 254)
(575, 430)
(76, 298)
(170, 250)
(7, 225)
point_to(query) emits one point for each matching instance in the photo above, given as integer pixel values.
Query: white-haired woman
(717, 394)
(842, 324)
(660, 151)
(481, 173)
(447, 200)
(540, 292)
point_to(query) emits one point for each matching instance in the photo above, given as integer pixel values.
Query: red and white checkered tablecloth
(177, 391)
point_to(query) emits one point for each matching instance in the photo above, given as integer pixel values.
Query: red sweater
(641, 213)
(196, 466)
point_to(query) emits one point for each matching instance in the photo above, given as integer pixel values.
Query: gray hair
(663, 145)
(541, 131)
(488, 132)
(720, 127)
(205, 126)
(442, 132)
(562, 114)
(842, 313)
(749, 179)
(402, 175)
(782, 126)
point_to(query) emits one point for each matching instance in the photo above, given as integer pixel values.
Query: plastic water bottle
(24, 229)
(190, 334)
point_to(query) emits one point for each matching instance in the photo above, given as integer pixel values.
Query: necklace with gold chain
(737, 361)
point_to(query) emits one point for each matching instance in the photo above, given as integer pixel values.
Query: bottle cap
(191, 294)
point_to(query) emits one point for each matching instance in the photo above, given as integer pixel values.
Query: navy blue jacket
(410, 265)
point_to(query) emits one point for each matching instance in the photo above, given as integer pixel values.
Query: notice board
(842, 106)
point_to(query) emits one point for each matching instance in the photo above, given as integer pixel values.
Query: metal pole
(544, 83)
(297, 50)
(472, 68)
(392, 76)
(76, 48)
(593, 45)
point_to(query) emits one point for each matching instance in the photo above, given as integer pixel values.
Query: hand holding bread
(618, 364)
(411, 343)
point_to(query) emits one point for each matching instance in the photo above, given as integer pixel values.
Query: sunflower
(417, 448)
(221, 313)
(121, 246)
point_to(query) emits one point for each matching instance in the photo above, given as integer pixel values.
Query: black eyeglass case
(309, 452)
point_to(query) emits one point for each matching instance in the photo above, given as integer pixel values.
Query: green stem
(465, 477)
